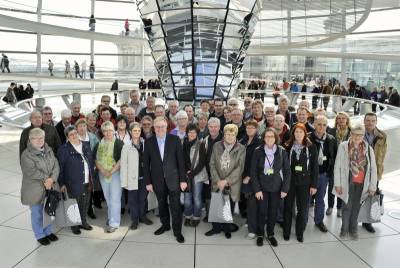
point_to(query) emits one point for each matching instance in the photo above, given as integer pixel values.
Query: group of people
(18, 92)
(263, 157)
(151, 84)
(79, 70)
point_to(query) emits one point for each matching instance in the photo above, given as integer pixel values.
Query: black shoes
(368, 227)
(134, 225)
(91, 214)
(162, 229)
(233, 227)
(75, 230)
(188, 222)
(300, 238)
(205, 219)
(180, 238)
(44, 241)
(195, 223)
(211, 233)
(260, 241)
(228, 235)
(321, 226)
(52, 237)
(146, 221)
(286, 237)
(273, 241)
(86, 227)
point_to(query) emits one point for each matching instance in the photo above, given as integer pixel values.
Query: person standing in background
(51, 67)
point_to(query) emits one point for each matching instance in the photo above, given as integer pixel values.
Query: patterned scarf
(321, 142)
(297, 148)
(357, 159)
(226, 158)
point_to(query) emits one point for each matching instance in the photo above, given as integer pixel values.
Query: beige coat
(342, 169)
(36, 167)
(380, 148)
(129, 171)
(234, 174)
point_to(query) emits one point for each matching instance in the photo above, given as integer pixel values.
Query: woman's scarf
(357, 158)
(321, 142)
(297, 148)
(226, 158)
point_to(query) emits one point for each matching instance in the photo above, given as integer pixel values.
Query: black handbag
(53, 197)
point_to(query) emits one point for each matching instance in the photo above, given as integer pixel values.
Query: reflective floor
(140, 248)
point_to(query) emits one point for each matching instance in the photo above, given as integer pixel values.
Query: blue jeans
(37, 222)
(193, 203)
(137, 201)
(112, 193)
(319, 209)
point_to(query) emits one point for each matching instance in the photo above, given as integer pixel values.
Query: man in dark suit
(164, 174)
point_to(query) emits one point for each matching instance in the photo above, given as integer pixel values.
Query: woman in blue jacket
(76, 173)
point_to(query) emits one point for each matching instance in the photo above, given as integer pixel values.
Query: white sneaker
(250, 236)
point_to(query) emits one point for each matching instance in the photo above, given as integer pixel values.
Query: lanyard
(270, 163)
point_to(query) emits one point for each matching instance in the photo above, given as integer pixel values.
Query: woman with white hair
(66, 116)
(39, 173)
(182, 123)
(355, 177)
(107, 156)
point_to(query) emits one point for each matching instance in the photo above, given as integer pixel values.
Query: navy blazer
(72, 170)
(171, 169)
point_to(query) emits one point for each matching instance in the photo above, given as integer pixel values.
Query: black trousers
(267, 207)
(331, 197)
(252, 214)
(224, 227)
(300, 193)
(83, 201)
(174, 205)
(137, 202)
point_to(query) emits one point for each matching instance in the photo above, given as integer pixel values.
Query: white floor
(140, 248)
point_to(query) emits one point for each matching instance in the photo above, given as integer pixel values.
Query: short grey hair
(214, 120)
(66, 114)
(202, 115)
(107, 126)
(33, 113)
(174, 101)
(269, 106)
(36, 132)
(181, 114)
(134, 125)
(231, 100)
(91, 115)
(74, 103)
(283, 98)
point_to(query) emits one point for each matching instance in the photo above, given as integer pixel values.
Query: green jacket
(118, 145)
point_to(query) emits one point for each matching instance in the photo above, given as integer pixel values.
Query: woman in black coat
(76, 173)
(303, 160)
(247, 200)
(270, 179)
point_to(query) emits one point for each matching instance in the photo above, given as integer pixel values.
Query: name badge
(270, 171)
(324, 158)
(298, 168)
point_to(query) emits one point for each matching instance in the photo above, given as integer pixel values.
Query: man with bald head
(51, 136)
